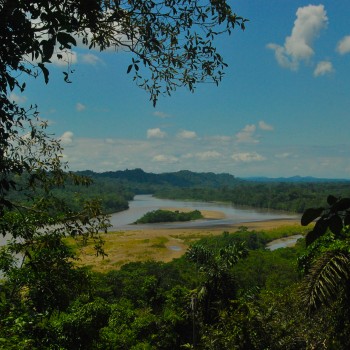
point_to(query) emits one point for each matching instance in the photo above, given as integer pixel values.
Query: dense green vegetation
(168, 216)
(294, 197)
(227, 292)
(115, 189)
(290, 196)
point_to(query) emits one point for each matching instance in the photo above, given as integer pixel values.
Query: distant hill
(182, 178)
(186, 178)
(297, 178)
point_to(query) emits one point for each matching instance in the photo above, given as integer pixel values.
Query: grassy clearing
(165, 244)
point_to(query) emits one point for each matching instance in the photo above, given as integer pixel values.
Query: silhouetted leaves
(310, 215)
(334, 218)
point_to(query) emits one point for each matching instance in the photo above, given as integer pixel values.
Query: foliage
(335, 217)
(295, 197)
(327, 261)
(168, 216)
(171, 40)
(218, 285)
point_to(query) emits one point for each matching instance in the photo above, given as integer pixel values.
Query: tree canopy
(172, 39)
(170, 42)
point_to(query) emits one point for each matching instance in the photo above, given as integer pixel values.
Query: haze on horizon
(282, 109)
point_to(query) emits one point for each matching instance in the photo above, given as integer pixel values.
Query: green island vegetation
(161, 215)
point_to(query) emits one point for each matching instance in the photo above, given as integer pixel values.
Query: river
(233, 214)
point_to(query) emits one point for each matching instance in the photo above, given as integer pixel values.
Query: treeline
(115, 189)
(168, 216)
(295, 197)
(112, 195)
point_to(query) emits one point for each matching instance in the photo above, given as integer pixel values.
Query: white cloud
(119, 154)
(17, 98)
(80, 107)
(187, 134)
(299, 45)
(208, 155)
(246, 135)
(89, 58)
(323, 68)
(265, 126)
(165, 159)
(161, 114)
(283, 155)
(67, 138)
(247, 157)
(343, 46)
(219, 138)
(155, 133)
(110, 141)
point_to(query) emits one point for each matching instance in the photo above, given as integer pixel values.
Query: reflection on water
(283, 242)
(233, 215)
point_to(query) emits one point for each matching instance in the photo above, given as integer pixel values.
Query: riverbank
(166, 244)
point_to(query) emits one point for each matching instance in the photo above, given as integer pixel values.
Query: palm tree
(218, 285)
(328, 258)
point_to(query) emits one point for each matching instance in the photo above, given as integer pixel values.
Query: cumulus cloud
(247, 157)
(343, 46)
(219, 138)
(283, 155)
(247, 135)
(80, 107)
(110, 141)
(208, 155)
(17, 98)
(323, 68)
(89, 58)
(165, 159)
(155, 133)
(265, 126)
(160, 114)
(298, 46)
(67, 138)
(187, 134)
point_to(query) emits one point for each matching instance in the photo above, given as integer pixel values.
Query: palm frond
(326, 279)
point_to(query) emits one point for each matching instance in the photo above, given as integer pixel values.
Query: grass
(143, 245)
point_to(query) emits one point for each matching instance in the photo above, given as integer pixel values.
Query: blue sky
(282, 108)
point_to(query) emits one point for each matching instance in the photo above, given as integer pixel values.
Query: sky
(282, 109)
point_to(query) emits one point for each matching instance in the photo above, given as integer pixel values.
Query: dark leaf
(347, 219)
(45, 72)
(66, 77)
(321, 226)
(310, 215)
(66, 39)
(129, 69)
(311, 237)
(48, 48)
(341, 205)
(335, 224)
(331, 200)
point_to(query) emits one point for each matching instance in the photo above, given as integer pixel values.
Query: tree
(171, 39)
(171, 44)
(218, 285)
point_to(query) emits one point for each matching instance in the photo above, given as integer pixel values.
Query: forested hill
(183, 178)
